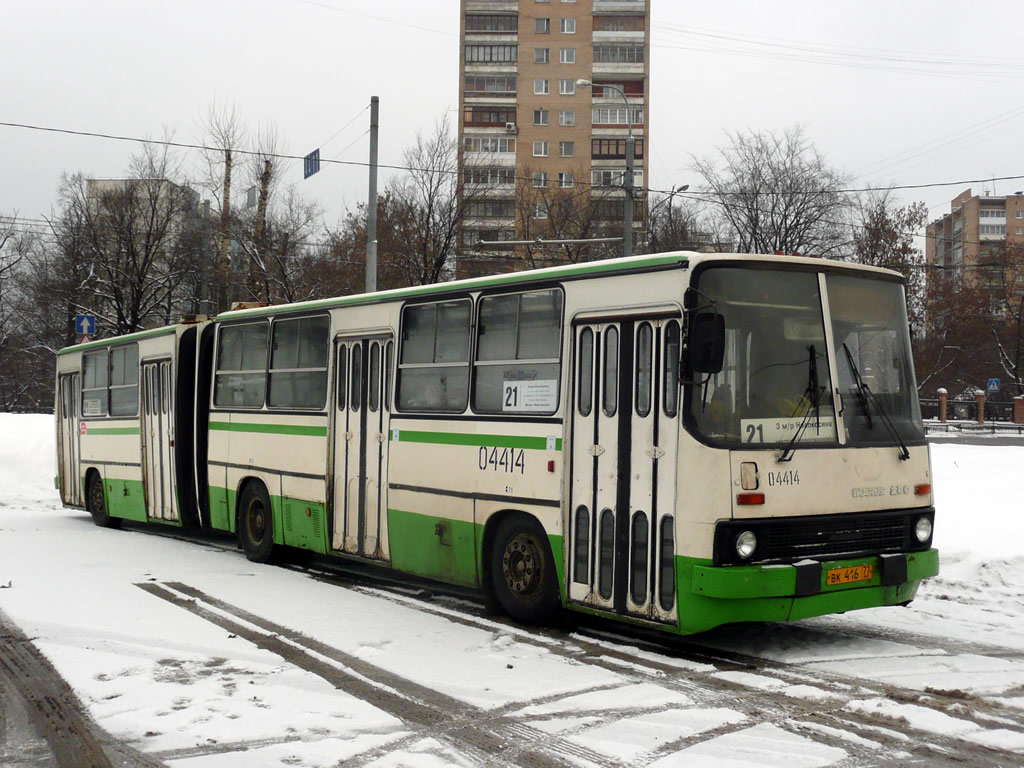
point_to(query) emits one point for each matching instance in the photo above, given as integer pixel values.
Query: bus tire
(96, 503)
(523, 570)
(256, 523)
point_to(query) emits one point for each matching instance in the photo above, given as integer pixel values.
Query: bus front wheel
(96, 503)
(256, 523)
(523, 570)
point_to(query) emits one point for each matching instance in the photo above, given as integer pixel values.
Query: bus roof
(568, 271)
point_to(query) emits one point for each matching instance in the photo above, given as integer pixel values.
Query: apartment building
(543, 156)
(974, 232)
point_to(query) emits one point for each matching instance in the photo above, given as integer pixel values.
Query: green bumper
(710, 595)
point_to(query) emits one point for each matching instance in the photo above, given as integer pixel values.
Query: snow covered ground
(193, 656)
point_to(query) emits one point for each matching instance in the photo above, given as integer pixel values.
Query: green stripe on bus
(461, 438)
(111, 430)
(272, 429)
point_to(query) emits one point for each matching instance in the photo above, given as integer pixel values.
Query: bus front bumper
(713, 595)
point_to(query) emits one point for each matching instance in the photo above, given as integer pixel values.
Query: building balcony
(610, 6)
(618, 68)
(491, 37)
(499, 6)
(490, 68)
(492, 159)
(619, 36)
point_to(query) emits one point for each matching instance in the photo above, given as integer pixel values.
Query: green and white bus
(681, 440)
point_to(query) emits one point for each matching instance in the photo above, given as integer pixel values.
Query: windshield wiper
(865, 396)
(813, 396)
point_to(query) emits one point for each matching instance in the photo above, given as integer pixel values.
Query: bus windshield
(775, 385)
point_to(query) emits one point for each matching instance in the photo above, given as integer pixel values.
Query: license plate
(849, 575)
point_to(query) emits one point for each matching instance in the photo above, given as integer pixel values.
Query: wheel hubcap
(257, 521)
(522, 565)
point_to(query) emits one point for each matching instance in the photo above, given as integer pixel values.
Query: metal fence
(967, 410)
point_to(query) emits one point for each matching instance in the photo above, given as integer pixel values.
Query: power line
(443, 171)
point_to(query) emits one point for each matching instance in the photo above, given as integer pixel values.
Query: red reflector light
(551, 465)
(923, 489)
(746, 499)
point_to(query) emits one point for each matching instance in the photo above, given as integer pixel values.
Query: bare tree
(565, 210)
(777, 194)
(225, 131)
(426, 209)
(680, 224)
(883, 236)
(14, 244)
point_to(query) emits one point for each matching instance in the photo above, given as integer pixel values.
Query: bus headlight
(923, 529)
(746, 543)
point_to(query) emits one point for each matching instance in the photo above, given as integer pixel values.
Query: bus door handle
(595, 450)
(380, 437)
(348, 435)
(655, 452)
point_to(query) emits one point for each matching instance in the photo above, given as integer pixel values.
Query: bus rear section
(125, 410)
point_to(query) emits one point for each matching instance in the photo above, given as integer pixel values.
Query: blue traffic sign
(85, 325)
(993, 385)
(311, 163)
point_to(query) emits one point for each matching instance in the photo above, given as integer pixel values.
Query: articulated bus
(679, 440)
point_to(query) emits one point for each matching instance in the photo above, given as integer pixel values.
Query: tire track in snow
(483, 737)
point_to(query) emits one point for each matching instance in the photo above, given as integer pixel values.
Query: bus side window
(241, 378)
(298, 363)
(94, 383)
(124, 380)
(433, 368)
(517, 367)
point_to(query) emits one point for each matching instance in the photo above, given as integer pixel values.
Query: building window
(540, 117)
(1020, 214)
(487, 116)
(490, 209)
(1020, 230)
(566, 148)
(500, 85)
(543, 26)
(540, 179)
(241, 379)
(517, 353)
(992, 229)
(540, 210)
(618, 54)
(540, 149)
(628, 87)
(541, 55)
(566, 180)
(614, 177)
(298, 363)
(567, 56)
(568, 26)
(490, 177)
(614, 149)
(567, 117)
(566, 87)
(617, 116)
(492, 54)
(433, 369)
(489, 144)
(618, 23)
(540, 86)
(492, 23)
(992, 214)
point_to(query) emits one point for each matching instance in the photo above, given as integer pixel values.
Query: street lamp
(627, 235)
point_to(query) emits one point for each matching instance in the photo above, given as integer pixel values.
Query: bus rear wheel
(96, 503)
(256, 523)
(523, 570)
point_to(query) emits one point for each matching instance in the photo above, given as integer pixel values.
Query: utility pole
(371, 203)
(627, 234)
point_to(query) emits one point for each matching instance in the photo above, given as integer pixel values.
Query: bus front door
(624, 444)
(157, 417)
(70, 393)
(362, 414)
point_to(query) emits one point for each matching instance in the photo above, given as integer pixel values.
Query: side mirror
(707, 343)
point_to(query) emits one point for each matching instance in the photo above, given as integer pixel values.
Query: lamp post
(627, 234)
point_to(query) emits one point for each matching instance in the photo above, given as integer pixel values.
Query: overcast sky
(908, 92)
